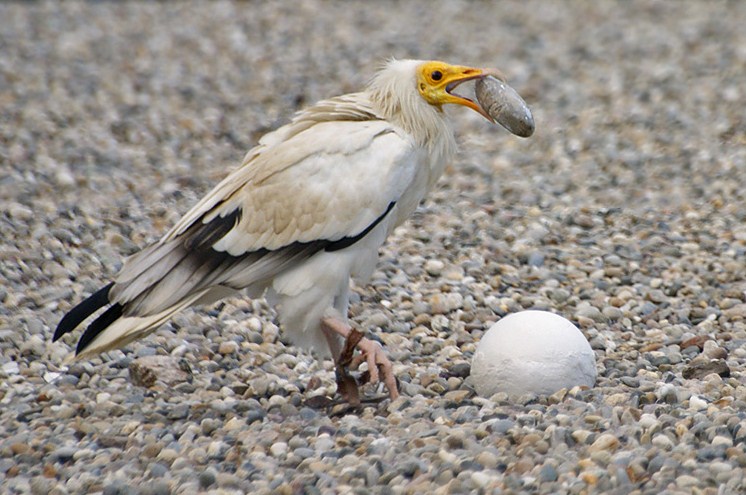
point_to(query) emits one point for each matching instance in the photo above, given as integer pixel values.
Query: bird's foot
(379, 365)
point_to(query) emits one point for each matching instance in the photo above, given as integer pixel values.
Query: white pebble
(696, 403)
(662, 442)
(278, 449)
(11, 368)
(324, 443)
(228, 347)
(51, 376)
(434, 267)
(379, 446)
(448, 457)
(722, 440)
(648, 421)
(254, 324)
(215, 448)
(481, 479)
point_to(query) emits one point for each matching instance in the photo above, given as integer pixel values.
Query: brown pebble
(698, 341)
(422, 319)
(49, 471)
(606, 441)
(455, 441)
(651, 347)
(427, 378)
(19, 448)
(228, 347)
(521, 466)
(152, 450)
(589, 478)
(314, 383)
(457, 396)
(698, 370)
(616, 302)
(530, 439)
(145, 371)
(637, 473)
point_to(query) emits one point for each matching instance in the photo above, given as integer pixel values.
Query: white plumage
(303, 215)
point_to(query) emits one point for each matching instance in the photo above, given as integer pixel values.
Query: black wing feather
(99, 325)
(346, 242)
(83, 310)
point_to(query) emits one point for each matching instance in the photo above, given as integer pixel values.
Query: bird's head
(436, 82)
(412, 93)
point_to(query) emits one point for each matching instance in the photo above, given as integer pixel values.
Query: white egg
(532, 352)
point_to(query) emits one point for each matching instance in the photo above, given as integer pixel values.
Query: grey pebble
(119, 488)
(207, 478)
(548, 473)
(159, 487)
(64, 454)
(591, 313)
(536, 258)
(501, 426)
(158, 470)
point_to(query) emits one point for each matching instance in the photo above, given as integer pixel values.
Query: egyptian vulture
(303, 215)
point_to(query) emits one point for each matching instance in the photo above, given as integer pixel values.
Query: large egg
(532, 352)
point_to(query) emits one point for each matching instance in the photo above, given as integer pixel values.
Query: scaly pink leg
(379, 366)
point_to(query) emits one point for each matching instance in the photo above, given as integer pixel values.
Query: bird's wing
(262, 160)
(316, 189)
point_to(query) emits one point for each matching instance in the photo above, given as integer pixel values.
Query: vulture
(298, 220)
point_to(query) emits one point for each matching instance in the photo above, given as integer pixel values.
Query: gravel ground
(625, 213)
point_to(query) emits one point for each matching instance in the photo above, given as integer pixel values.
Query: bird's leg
(371, 352)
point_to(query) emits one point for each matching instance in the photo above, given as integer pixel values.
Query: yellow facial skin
(436, 80)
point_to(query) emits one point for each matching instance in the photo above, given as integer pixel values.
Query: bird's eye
(436, 75)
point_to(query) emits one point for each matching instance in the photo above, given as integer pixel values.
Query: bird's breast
(428, 170)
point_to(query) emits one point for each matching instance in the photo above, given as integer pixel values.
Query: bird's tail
(167, 277)
(82, 311)
(112, 329)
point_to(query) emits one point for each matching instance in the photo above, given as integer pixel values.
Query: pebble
(278, 449)
(228, 347)
(64, 454)
(207, 478)
(700, 369)
(11, 368)
(697, 403)
(606, 441)
(145, 371)
(434, 267)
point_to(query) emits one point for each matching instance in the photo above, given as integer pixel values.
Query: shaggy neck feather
(393, 93)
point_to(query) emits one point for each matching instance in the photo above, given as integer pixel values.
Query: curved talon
(371, 352)
(379, 366)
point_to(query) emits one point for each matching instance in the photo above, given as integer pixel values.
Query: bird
(301, 218)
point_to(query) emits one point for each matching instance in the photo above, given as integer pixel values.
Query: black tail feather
(75, 316)
(99, 325)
